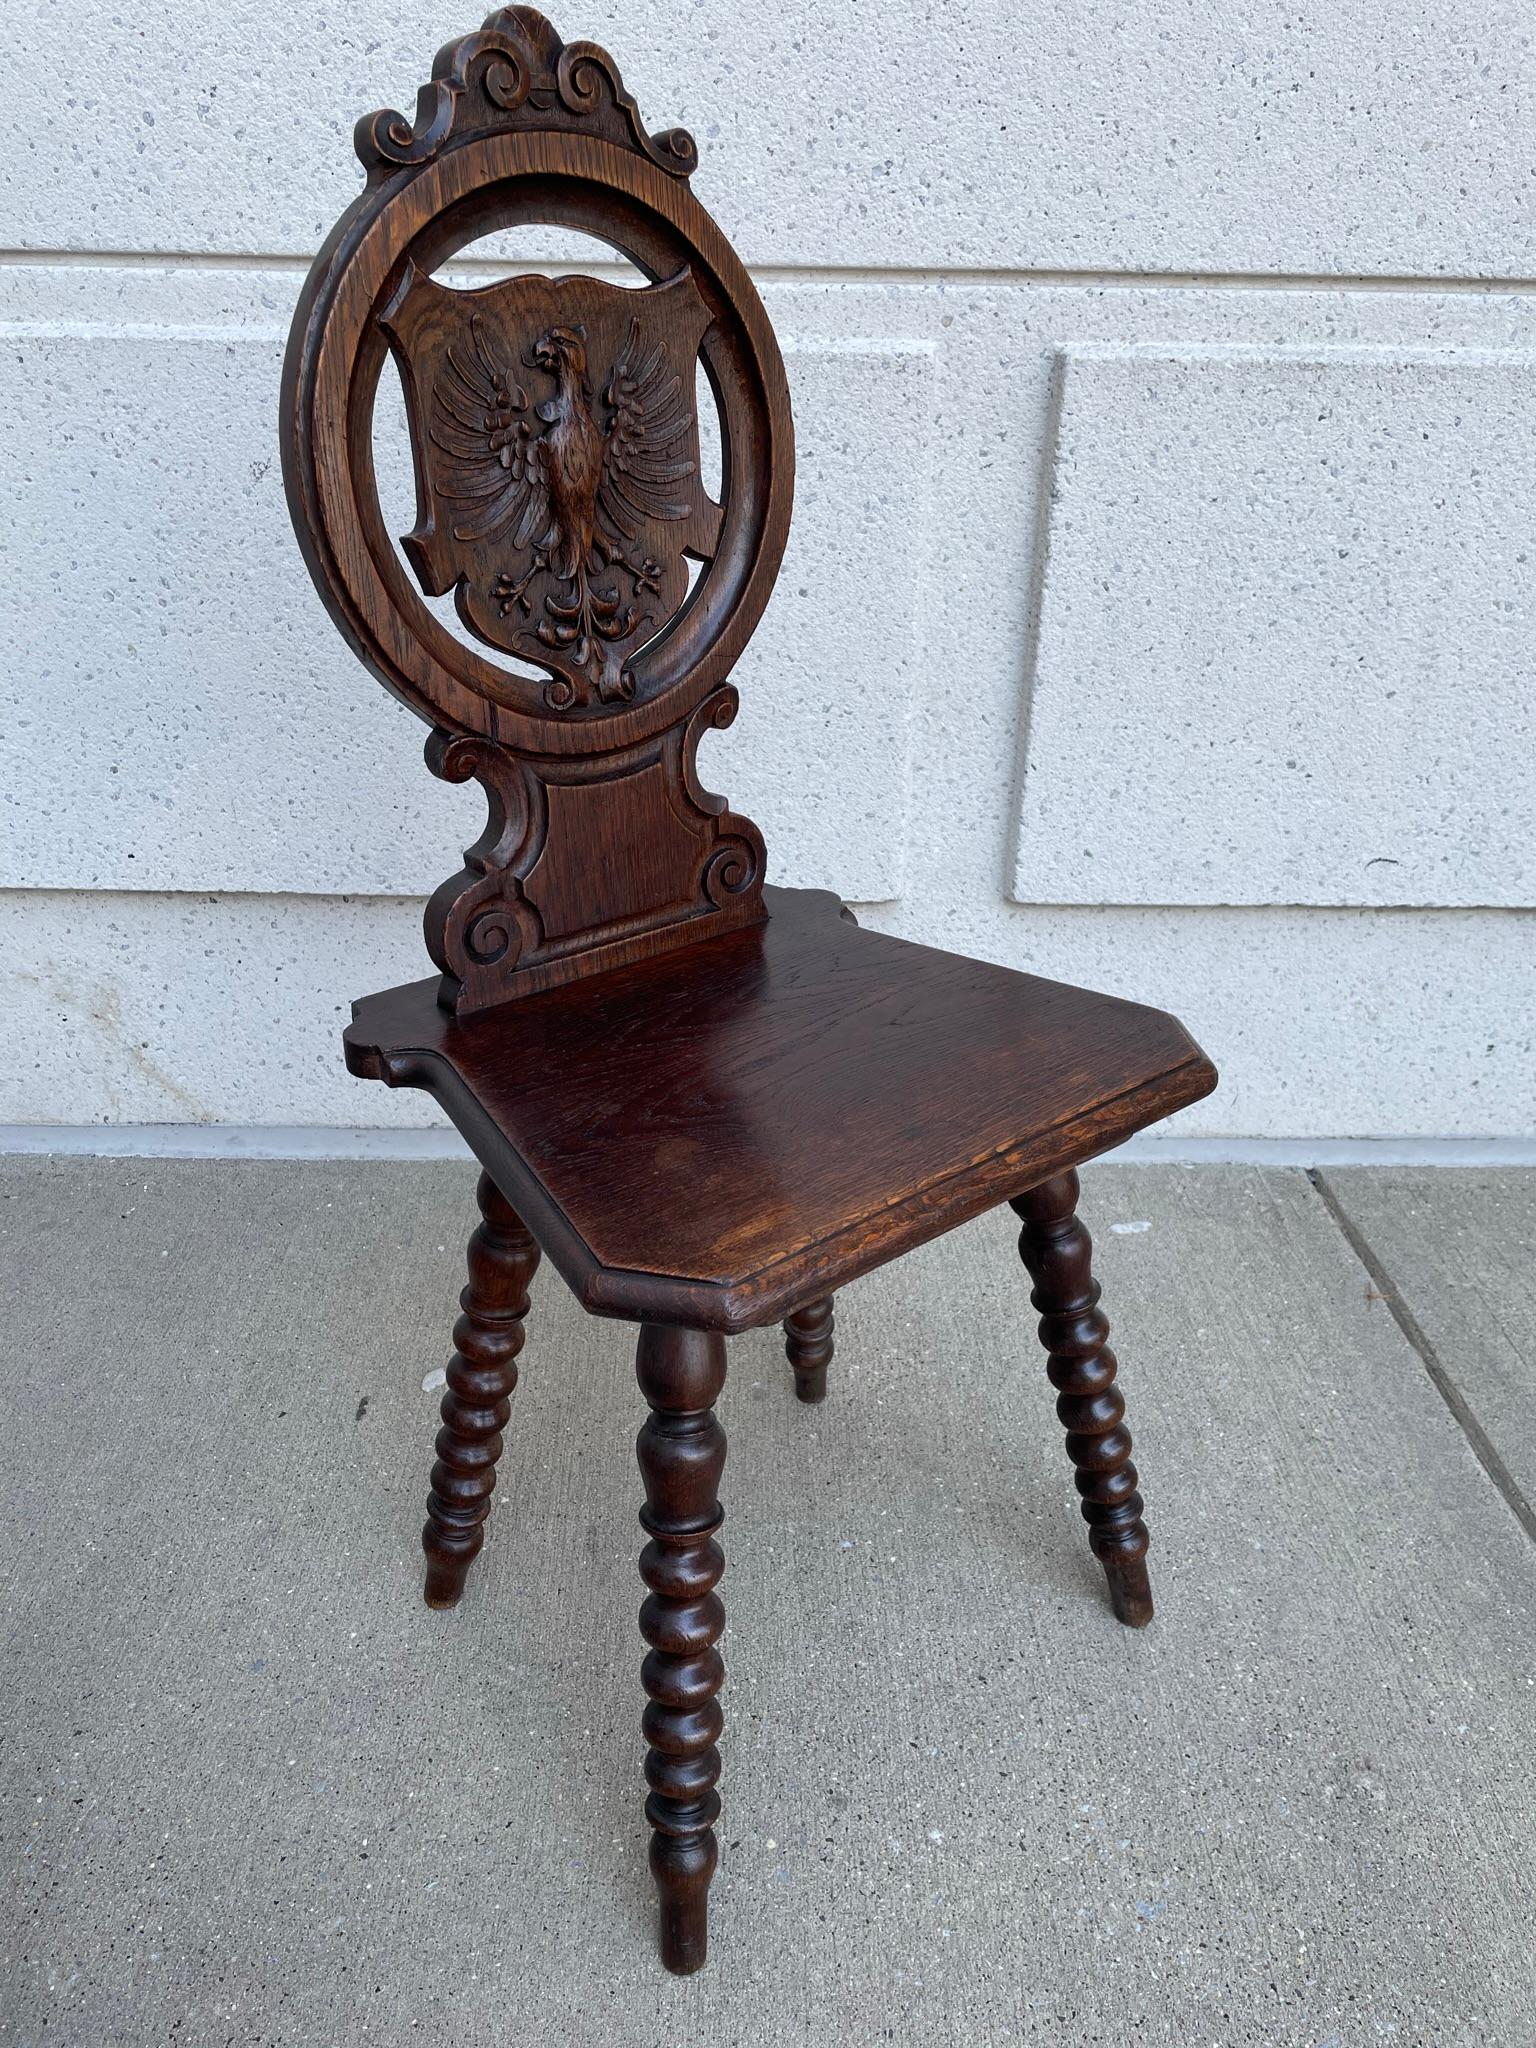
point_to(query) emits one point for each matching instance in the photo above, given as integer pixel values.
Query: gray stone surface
(1228, 529)
(1388, 136)
(1303, 1009)
(164, 733)
(230, 784)
(254, 1792)
(1458, 1249)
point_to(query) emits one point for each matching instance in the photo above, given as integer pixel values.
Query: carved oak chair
(708, 1101)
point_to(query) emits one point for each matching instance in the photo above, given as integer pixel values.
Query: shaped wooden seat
(709, 1101)
(714, 1135)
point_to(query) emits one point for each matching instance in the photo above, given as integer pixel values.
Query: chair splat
(603, 593)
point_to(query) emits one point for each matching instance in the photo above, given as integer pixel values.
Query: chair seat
(716, 1136)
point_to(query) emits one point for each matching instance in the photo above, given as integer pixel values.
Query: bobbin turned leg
(681, 1449)
(481, 1375)
(808, 1347)
(1058, 1250)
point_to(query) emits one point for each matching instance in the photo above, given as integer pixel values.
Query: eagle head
(561, 347)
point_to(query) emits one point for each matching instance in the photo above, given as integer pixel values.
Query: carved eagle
(548, 512)
(554, 486)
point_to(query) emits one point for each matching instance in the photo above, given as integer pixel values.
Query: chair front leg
(1058, 1252)
(481, 1376)
(681, 1449)
(808, 1347)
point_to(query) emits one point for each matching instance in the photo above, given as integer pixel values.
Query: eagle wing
(649, 456)
(487, 455)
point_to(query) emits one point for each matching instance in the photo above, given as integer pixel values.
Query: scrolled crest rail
(561, 505)
(515, 71)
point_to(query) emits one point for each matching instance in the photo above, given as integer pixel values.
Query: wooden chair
(710, 1102)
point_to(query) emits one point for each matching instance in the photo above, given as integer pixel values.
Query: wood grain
(710, 1102)
(719, 1136)
(559, 500)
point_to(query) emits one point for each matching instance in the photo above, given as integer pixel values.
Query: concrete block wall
(1157, 613)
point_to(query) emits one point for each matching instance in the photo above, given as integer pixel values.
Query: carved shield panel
(557, 465)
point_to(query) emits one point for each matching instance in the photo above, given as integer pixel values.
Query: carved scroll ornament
(560, 504)
(587, 861)
(515, 72)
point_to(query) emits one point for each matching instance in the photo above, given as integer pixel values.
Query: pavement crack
(1387, 1291)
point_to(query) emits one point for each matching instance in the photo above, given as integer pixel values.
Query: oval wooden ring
(331, 374)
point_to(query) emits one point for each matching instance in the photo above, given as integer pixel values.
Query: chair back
(560, 500)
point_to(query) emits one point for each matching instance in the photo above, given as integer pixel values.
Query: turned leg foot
(808, 1347)
(1058, 1252)
(481, 1375)
(681, 1449)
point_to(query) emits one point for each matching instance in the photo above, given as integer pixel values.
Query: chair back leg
(808, 1347)
(481, 1376)
(1058, 1252)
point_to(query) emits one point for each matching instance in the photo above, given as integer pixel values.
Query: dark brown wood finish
(559, 499)
(587, 863)
(1058, 1251)
(557, 465)
(681, 1449)
(482, 1375)
(722, 1135)
(808, 1347)
(711, 1102)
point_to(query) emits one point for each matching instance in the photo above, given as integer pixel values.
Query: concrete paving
(255, 1792)
(1455, 1254)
